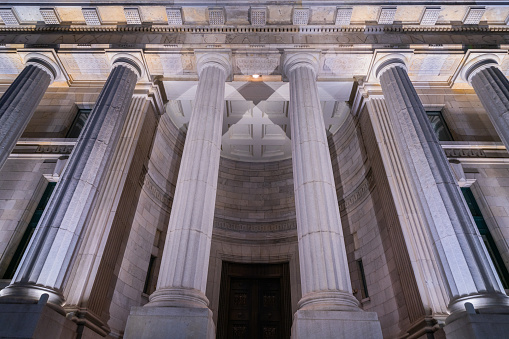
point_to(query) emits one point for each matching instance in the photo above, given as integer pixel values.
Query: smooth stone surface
(170, 322)
(34, 321)
(478, 326)
(335, 324)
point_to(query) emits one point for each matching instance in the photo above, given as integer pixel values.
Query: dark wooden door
(254, 302)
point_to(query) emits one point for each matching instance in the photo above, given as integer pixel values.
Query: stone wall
(254, 221)
(57, 111)
(464, 114)
(364, 218)
(21, 187)
(491, 192)
(150, 215)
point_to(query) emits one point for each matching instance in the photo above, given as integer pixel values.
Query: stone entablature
(222, 13)
(427, 65)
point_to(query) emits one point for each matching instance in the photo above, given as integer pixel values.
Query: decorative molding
(464, 153)
(251, 29)
(264, 65)
(156, 192)
(60, 149)
(359, 194)
(255, 227)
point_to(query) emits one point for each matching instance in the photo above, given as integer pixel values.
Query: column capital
(389, 61)
(293, 59)
(217, 58)
(129, 61)
(43, 62)
(478, 64)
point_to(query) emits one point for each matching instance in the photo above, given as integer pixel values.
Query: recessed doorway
(254, 302)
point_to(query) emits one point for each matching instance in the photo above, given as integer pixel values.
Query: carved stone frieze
(345, 65)
(10, 63)
(359, 194)
(137, 37)
(435, 67)
(60, 149)
(257, 64)
(86, 66)
(255, 227)
(170, 64)
(53, 149)
(464, 153)
(156, 193)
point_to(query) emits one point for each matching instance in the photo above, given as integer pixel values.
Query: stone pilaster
(47, 261)
(327, 300)
(492, 88)
(184, 266)
(19, 102)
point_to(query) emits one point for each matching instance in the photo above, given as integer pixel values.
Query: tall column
(468, 273)
(18, 103)
(492, 88)
(325, 276)
(51, 252)
(184, 264)
(323, 263)
(179, 304)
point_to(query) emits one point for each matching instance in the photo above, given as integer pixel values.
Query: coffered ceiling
(256, 125)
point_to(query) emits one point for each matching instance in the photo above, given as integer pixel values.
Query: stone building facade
(259, 169)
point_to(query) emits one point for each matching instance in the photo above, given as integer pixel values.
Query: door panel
(254, 302)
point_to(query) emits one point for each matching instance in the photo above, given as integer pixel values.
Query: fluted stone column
(50, 254)
(325, 277)
(492, 88)
(18, 103)
(468, 272)
(185, 261)
(323, 263)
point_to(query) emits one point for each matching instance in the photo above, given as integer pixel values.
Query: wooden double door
(254, 302)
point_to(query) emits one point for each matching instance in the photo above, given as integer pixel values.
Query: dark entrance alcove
(254, 301)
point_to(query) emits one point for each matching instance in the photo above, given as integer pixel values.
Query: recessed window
(439, 126)
(489, 242)
(364, 289)
(27, 236)
(150, 285)
(79, 123)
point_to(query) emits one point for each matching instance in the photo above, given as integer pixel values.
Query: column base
(335, 325)
(36, 320)
(491, 323)
(170, 322)
(29, 294)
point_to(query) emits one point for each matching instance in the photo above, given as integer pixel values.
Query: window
(79, 123)
(364, 290)
(20, 250)
(149, 283)
(439, 126)
(486, 236)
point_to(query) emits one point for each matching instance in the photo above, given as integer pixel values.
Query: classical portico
(257, 170)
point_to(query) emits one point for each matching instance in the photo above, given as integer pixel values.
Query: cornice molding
(257, 29)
